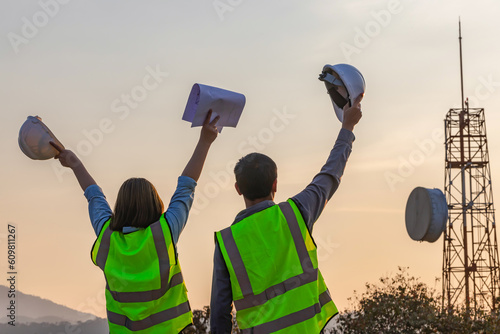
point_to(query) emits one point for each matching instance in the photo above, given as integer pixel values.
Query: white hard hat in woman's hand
(34, 138)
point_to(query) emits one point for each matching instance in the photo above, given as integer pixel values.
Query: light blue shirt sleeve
(99, 210)
(179, 206)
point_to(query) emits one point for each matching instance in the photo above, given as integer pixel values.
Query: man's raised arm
(312, 200)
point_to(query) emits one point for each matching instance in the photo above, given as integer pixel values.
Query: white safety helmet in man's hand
(34, 138)
(344, 83)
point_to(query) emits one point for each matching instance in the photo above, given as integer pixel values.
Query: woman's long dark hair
(138, 205)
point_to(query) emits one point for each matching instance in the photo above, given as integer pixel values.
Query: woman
(136, 244)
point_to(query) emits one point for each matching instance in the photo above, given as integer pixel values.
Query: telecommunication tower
(470, 251)
(465, 213)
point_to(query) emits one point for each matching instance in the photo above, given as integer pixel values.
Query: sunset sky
(73, 62)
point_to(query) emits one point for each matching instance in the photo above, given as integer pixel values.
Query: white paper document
(224, 103)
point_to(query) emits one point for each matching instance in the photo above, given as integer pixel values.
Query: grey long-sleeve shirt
(310, 201)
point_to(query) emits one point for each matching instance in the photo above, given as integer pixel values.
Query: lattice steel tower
(470, 251)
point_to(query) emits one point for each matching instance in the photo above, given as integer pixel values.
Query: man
(266, 261)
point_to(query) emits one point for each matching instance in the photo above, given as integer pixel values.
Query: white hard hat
(34, 138)
(343, 76)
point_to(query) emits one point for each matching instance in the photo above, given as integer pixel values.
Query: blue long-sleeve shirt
(310, 201)
(176, 213)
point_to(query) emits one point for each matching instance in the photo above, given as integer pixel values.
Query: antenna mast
(461, 66)
(471, 272)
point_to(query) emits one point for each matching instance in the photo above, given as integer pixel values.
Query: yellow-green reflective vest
(273, 266)
(145, 291)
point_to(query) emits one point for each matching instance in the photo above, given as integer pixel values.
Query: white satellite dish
(426, 214)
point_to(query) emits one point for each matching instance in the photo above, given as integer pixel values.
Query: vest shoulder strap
(164, 250)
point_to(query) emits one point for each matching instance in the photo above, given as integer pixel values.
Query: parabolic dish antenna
(426, 214)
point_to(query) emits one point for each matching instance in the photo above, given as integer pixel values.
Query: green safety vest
(273, 266)
(145, 291)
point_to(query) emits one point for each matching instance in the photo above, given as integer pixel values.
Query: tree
(201, 319)
(235, 329)
(400, 304)
(403, 304)
(201, 322)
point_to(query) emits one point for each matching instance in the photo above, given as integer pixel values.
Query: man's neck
(250, 203)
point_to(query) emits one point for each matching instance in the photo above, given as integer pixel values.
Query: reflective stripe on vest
(152, 320)
(165, 307)
(162, 252)
(290, 319)
(309, 275)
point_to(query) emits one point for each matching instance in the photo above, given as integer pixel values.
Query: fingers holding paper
(209, 130)
(207, 136)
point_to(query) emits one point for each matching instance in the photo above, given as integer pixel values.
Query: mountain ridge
(34, 309)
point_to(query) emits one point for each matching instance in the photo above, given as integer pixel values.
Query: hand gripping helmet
(34, 138)
(344, 83)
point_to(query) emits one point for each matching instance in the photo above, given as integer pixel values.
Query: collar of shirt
(253, 209)
(129, 229)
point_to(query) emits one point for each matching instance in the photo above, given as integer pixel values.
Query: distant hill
(33, 309)
(98, 326)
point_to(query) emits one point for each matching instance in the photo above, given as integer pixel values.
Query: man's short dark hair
(255, 174)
